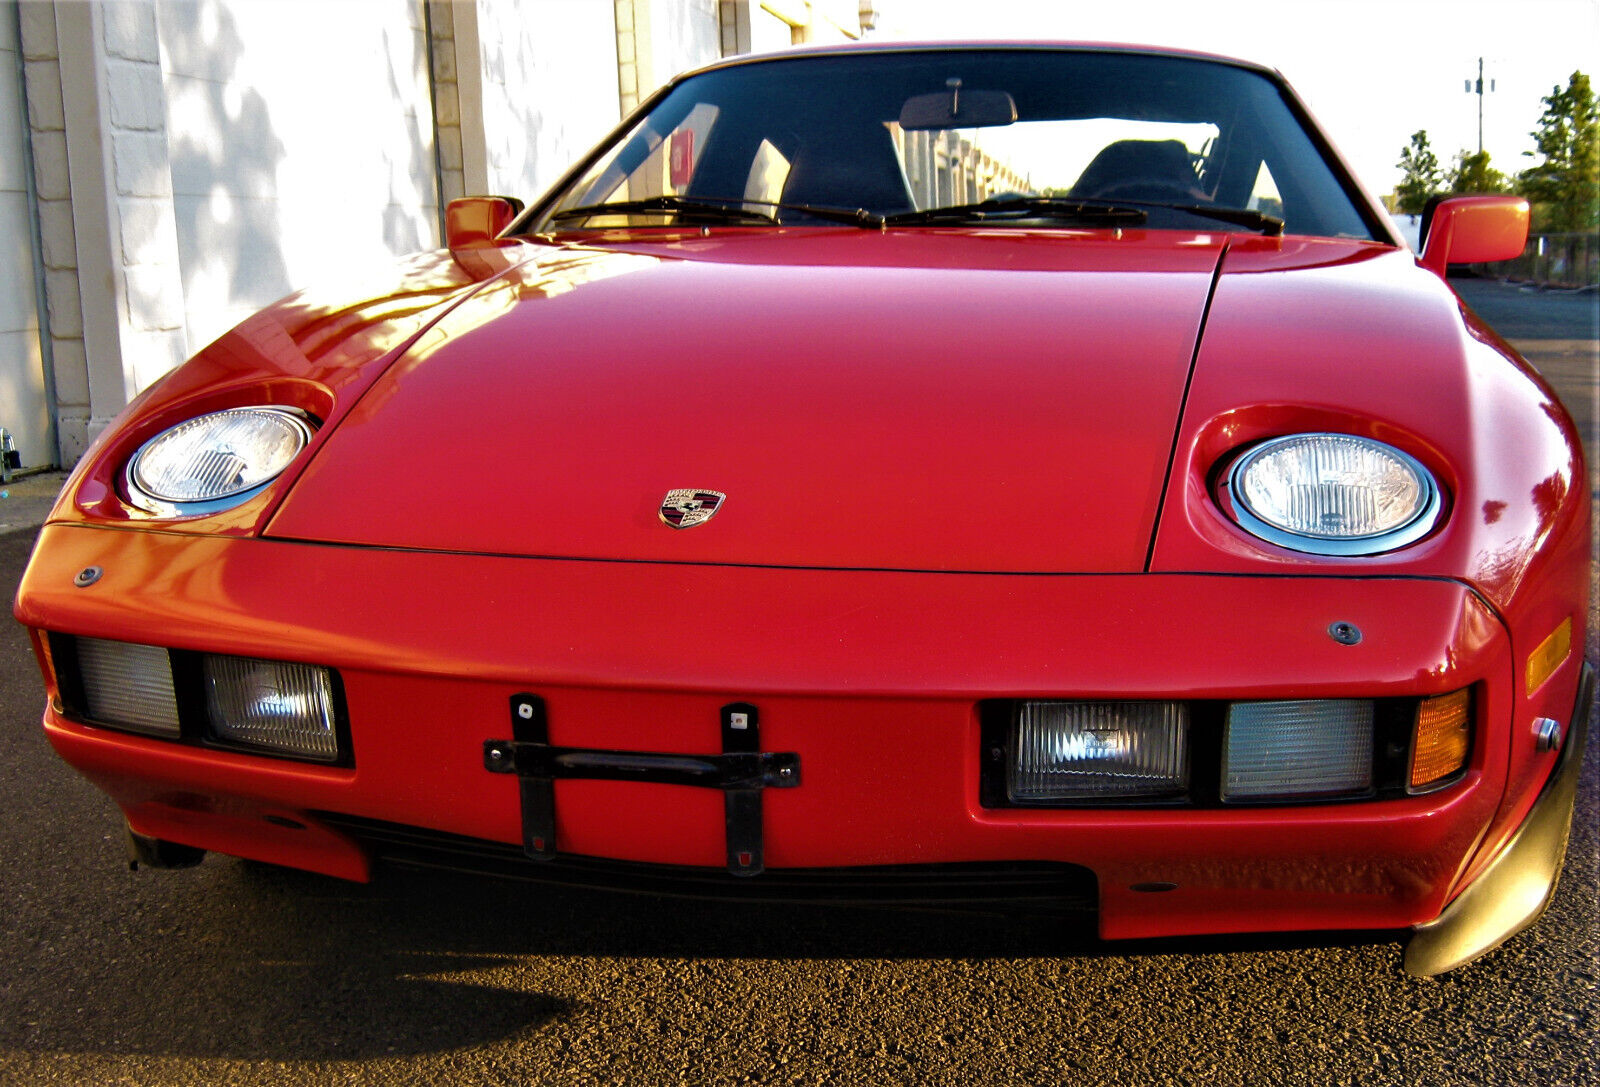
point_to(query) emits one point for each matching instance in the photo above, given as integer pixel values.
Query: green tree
(1566, 184)
(1472, 173)
(1422, 176)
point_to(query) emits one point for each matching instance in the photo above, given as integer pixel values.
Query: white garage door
(22, 397)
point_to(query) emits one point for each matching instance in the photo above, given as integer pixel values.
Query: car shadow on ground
(241, 961)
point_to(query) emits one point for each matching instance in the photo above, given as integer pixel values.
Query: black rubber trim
(1056, 886)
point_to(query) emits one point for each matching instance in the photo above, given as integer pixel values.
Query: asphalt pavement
(233, 973)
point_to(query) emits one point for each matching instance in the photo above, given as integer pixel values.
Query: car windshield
(1002, 137)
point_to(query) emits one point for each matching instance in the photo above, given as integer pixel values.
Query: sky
(1371, 71)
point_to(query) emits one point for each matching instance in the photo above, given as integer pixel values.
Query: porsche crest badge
(686, 508)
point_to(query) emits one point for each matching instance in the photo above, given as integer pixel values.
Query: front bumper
(873, 678)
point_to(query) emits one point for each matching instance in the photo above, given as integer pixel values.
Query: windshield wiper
(721, 209)
(860, 217)
(1082, 209)
(1025, 207)
(1259, 221)
(685, 207)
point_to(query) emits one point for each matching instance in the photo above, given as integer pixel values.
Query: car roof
(966, 46)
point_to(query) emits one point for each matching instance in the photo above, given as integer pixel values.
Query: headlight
(214, 461)
(1331, 494)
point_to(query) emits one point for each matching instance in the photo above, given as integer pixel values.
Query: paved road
(235, 974)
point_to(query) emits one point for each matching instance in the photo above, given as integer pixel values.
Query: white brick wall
(203, 157)
(549, 76)
(99, 66)
(684, 34)
(447, 105)
(47, 120)
(657, 39)
(293, 154)
(130, 31)
(151, 316)
(23, 401)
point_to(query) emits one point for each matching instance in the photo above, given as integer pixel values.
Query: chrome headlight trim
(1421, 520)
(296, 429)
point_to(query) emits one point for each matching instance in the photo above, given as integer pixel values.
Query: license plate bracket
(742, 772)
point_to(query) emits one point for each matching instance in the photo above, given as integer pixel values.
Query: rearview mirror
(477, 220)
(1473, 229)
(957, 108)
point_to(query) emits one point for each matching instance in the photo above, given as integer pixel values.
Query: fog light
(128, 685)
(1297, 749)
(272, 706)
(1098, 750)
(1441, 738)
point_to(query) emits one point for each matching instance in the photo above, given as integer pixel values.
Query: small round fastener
(1547, 732)
(88, 576)
(1344, 633)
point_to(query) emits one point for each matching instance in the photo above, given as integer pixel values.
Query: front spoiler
(1517, 886)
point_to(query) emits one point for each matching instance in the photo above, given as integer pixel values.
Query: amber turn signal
(1442, 737)
(1551, 654)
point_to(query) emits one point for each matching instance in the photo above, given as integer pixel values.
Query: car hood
(919, 401)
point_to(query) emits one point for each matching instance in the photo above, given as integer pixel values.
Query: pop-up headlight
(214, 461)
(1331, 494)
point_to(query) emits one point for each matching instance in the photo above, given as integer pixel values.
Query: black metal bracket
(742, 771)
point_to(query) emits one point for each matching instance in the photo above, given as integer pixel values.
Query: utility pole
(1478, 90)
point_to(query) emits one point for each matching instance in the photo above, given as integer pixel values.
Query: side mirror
(1470, 229)
(472, 221)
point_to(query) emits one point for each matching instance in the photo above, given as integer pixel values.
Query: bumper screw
(1344, 633)
(87, 576)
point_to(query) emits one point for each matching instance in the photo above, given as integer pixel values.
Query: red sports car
(902, 473)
